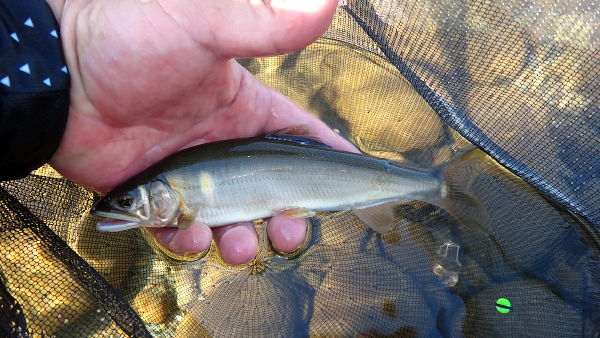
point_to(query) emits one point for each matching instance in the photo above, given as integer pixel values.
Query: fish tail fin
(457, 198)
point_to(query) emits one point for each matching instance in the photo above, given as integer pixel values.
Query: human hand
(150, 78)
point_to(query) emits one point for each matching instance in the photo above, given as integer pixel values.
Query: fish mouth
(114, 225)
(116, 222)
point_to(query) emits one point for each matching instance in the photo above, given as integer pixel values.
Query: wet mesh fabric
(419, 83)
(517, 79)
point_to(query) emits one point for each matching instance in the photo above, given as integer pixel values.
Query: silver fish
(286, 171)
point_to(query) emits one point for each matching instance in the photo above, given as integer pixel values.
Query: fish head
(152, 204)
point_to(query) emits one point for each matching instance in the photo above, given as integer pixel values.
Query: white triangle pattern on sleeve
(25, 68)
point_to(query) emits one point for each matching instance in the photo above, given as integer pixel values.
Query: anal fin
(379, 217)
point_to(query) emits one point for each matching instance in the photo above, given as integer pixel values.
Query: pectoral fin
(186, 219)
(379, 217)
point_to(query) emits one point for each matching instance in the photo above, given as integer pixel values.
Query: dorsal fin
(300, 133)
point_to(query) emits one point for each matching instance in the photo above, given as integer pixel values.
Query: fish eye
(125, 201)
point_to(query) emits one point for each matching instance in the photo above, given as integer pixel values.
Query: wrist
(57, 8)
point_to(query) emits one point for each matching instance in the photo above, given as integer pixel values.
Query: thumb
(262, 28)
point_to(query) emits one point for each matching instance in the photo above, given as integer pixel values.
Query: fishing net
(420, 83)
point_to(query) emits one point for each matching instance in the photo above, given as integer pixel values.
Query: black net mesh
(420, 83)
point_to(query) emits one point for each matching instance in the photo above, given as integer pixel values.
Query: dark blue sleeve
(34, 87)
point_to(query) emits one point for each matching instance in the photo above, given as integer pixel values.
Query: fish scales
(238, 188)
